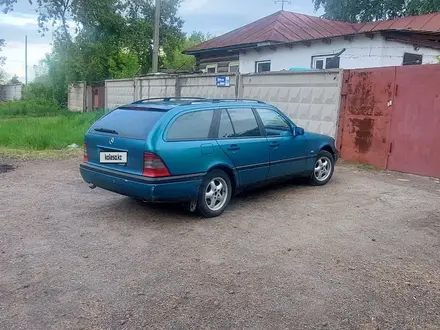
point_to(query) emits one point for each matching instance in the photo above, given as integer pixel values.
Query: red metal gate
(98, 96)
(415, 124)
(366, 105)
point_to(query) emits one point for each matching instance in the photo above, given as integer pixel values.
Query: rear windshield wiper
(106, 130)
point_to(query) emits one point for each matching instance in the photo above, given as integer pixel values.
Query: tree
(2, 76)
(2, 58)
(104, 28)
(124, 65)
(372, 10)
(111, 39)
(57, 13)
(179, 61)
(140, 26)
(50, 81)
(14, 80)
(2, 61)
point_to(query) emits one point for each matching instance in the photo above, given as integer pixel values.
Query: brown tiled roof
(284, 26)
(422, 23)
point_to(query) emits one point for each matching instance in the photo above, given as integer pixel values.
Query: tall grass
(41, 133)
(29, 108)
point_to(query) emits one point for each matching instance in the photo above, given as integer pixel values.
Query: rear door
(288, 153)
(122, 131)
(189, 146)
(241, 139)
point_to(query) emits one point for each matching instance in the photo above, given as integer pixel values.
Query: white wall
(392, 53)
(205, 86)
(10, 92)
(76, 97)
(119, 92)
(361, 52)
(154, 86)
(125, 91)
(310, 98)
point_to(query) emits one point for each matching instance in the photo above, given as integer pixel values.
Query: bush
(55, 132)
(38, 91)
(33, 108)
(46, 91)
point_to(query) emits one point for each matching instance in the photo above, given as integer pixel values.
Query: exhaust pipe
(92, 186)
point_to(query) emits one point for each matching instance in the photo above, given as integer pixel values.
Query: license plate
(110, 157)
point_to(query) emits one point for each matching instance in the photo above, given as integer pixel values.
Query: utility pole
(283, 2)
(25, 61)
(156, 37)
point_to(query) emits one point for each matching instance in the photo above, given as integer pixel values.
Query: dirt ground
(362, 252)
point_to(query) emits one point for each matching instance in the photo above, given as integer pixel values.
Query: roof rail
(167, 99)
(226, 100)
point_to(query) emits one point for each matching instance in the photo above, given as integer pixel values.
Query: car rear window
(191, 126)
(134, 124)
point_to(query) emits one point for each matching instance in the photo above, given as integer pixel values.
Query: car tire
(323, 168)
(214, 194)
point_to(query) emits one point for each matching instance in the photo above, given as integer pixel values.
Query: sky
(214, 16)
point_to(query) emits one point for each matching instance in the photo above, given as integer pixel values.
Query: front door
(288, 153)
(240, 138)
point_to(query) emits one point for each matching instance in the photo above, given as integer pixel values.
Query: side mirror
(299, 131)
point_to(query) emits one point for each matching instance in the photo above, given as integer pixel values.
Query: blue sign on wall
(222, 81)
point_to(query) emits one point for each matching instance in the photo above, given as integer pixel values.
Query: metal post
(25, 61)
(283, 2)
(156, 37)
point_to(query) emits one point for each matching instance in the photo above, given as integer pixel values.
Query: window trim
(316, 60)
(217, 119)
(213, 65)
(282, 115)
(211, 132)
(260, 123)
(235, 63)
(323, 57)
(262, 62)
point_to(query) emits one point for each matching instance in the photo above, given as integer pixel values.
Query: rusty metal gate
(390, 118)
(415, 124)
(365, 115)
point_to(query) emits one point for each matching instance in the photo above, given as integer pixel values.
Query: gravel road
(362, 252)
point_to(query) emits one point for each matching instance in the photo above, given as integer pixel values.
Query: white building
(287, 40)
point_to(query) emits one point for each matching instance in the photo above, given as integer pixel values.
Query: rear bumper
(169, 189)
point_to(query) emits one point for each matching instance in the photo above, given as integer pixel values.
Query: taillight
(86, 156)
(154, 166)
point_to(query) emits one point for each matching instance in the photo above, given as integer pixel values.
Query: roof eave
(233, 47)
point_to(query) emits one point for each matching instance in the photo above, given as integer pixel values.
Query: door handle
(274, 144)
(233, 147)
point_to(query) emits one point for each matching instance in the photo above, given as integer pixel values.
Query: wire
(383, 56)
(380, 47)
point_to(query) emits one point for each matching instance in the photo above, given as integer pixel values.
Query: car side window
(225, 129)
(191, 126)
(274, 124)
(244, 123)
